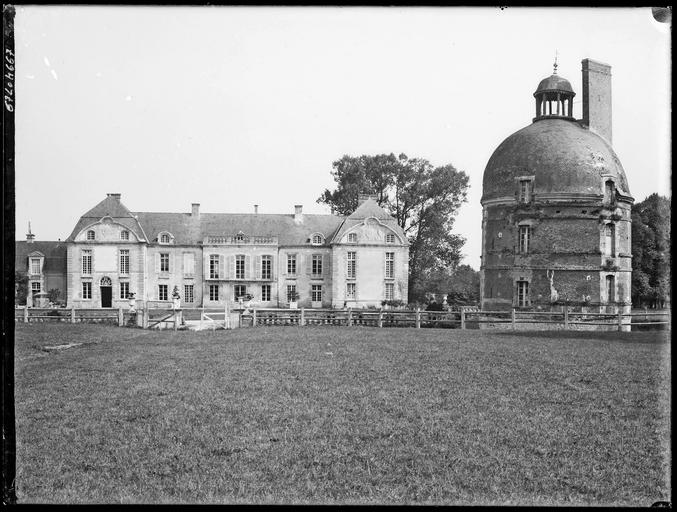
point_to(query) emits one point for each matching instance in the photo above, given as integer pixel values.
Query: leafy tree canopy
(423, 198)
(651, 251)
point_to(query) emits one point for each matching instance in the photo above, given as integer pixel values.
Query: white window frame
(124, 290)
(352, 238)
(91, 235)
(124, 261)
(164, 259)
(317, 239)
(351, 264)
(390, 238)
(87, 290)
(188, 293)
(389, 292)
(36, 287)
(316, 293)
(214, 270)
(316, 265)
(291, 289)
(265, 293)
(240, 265)
(164, 239)
(214, 292)
(390, 265)
(163, 291)
(86, 261)
(351, 291)
(524, 236)
(266, 266)
(124, 235)
(35, 266)
(522, 293)
(292, 264)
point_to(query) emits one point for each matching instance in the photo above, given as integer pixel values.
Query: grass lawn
(342, 415)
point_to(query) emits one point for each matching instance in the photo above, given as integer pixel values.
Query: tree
(651, 251)
(20, 288)
(461, 285)
(53, 295)
(424, 200)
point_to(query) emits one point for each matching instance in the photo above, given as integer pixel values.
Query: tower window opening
(609, 240)
(525, 191)
(609, 192)
(610, 289)
(524, 238)
(522, 293)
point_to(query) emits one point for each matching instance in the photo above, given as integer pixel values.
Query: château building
(556, 206)
(216, 258)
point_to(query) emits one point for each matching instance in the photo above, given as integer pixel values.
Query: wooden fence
(464, 319)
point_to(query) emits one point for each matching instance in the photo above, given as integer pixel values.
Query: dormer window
(124, 235)
(91, 235)
(352, 238)
(165, 238)
(316, 240)
(240, 237)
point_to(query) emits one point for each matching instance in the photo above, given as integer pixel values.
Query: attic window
(390, 238)
(124, 235)
(90, 235)
(352, 238)
(316, 240)
(165, 238)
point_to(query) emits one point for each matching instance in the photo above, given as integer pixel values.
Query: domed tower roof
(563, 157)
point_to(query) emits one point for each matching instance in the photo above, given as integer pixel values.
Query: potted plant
(176, 298)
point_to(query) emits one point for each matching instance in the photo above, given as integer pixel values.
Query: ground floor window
(213, 292)
(291, 292)
(87, 290)
(265, 292)
(240, 291)
(124, 290)
(351, 290)
(163, 292)
(390, 291)
(35, 287)
(522, 293)
(188, 293)
(316, 293)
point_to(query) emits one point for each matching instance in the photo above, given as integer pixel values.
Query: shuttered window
(239, 266)
(266, 267)
(214, 266)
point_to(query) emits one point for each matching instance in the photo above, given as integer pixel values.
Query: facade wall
(304, 279)
(178, 273)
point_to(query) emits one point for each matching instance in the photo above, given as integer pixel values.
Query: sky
(235, 106)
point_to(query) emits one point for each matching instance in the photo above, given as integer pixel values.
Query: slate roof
(54, 252)
(189, 230)
(369, 208)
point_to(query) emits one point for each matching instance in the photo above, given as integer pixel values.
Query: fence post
(302, 321)
(121, 317)
(512, 318)
(380, 317)
(462, 318)
(418, 318)
(566, 317)
(350, 317)
(253, 317)
(620, 318)
(26, 314)
(146, 312)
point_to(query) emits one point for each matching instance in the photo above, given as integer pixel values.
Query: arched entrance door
(106, 292)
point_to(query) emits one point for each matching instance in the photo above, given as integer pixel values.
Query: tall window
(35, 266)
(124, 235)
(87, 290)
(609, 192)
(352, 238)
(239, 266)
(214, 292)
(265, 292)
(316, 293)
(164, 262)
(162, 292)
(351, 265)
(524, 237)
(390, 291)
(124, 261)
(188, 263)
(610, 289)
(35, 287)
(90, 235)
(240, 291)
(525, 191)
(124, 290)
(291, 292)
(522, 293)
(316, 267)
(390, 265)
(351, 291)
(291, 263)
(266, 267)
(609, 240)
(87, 262)
(188, 293)
(213, 266)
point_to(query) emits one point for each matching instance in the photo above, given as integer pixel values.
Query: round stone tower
(556, 207)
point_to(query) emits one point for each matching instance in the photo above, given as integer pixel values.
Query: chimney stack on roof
(115, 196)
(29, 236)
(256, 208)
(298, 213)
(597, 97)
(195, 210)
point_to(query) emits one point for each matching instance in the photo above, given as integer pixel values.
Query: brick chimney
(195, 210)
(115, 196)
(298, 213)
(597, 97)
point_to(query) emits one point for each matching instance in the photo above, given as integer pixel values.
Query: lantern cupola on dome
(554, 98)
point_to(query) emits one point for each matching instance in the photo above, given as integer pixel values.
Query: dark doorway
(106, 296)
